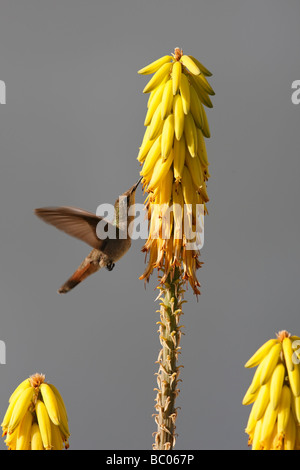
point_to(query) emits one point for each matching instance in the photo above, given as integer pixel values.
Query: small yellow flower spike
(174, 158)
(274, 421)
(36, 418)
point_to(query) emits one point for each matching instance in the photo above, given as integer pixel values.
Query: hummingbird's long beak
(137, 183)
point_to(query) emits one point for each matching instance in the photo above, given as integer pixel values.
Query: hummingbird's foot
(110, 266)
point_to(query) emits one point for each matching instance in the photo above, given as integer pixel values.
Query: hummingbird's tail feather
(80, 274)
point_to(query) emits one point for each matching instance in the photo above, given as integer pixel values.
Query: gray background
(69, 134)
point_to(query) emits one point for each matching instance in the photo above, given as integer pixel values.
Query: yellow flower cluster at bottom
(274, 421)
(36, 418)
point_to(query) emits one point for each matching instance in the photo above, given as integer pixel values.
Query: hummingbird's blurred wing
(75, 222)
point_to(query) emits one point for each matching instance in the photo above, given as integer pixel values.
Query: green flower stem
(168, 372)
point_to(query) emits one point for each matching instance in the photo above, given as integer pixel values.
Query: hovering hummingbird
(83, 225)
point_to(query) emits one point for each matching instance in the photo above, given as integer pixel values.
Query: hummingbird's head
(130, 194)
(124, 203)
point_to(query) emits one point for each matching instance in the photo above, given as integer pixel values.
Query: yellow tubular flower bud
(178, 116)
(21, 406)
(196, 108)
(188, 62)
(8, 414)
(177, 210)
(162, 73)
(268, 424)
(36, 439)
(294, 379)
(62, 411)
(288, 353)
(156, 100)
(297, 440)
(50, 403)
(278, 442)
(167, 138)
(256, 445)
(194, 166)
(166, 222)
(19, 389)
(277, 380)
(290, 434)
(179, 157)
(152, 156)
(295, 338)
(167, 100)
(284, 409)
(203, 153)
(156, 65)
(190, 133)
(249, 397)
(11, 439)
(176, 77)
(155, 222)
(205, 85)
(24, 432)
(44, 424)
(156, 123)
(56, 437)
(270, 364)
(202, 94)
(165, 188)
(260, 353)
(201, 67)
(185, 93)
(157, 89)
(269, 443)
(205, 129)
(188, 189)
(251, 422)
(145, 146)
(262, 401)
(255, 384)
(297, 408)
(161, 168)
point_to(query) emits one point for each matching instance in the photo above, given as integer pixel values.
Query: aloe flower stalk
(174, 176)
(168, 372)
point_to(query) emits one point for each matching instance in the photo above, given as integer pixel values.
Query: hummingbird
(83, 225)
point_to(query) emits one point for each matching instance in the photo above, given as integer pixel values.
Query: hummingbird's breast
(115, 248)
